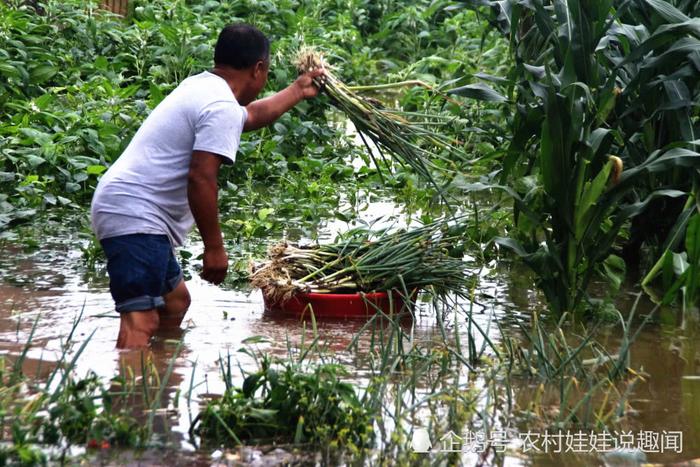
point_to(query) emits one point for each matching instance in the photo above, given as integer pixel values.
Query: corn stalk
(593, 93)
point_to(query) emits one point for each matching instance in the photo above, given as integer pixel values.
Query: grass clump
(284, 402)
(35, 422)
(581, 383)
(43, 421)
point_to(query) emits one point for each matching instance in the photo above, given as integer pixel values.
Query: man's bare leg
(136, 328)
(176, 304)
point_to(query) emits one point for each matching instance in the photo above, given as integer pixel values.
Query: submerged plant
(580, 383)
(37, 421)
(679, 273)
(41, 421)
(284, 402)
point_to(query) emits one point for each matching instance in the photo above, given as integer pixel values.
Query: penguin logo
(421, 440)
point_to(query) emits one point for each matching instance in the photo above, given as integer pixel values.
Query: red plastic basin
(328, 305)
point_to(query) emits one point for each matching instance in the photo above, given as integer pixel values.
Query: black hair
(241, 46)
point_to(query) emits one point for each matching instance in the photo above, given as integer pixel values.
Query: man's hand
(215, 264)
(306, 83)
(265, 111)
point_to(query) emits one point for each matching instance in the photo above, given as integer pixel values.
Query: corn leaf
(478, 91)
(591, 193)
(668, 11)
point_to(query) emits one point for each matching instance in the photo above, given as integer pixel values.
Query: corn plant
(592, 95)
(656, 62)
(679, 271)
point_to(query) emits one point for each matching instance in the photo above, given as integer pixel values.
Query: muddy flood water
(53, 282)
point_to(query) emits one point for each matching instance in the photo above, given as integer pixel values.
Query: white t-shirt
(145, 190)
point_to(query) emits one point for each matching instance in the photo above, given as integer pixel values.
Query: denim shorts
(142, 268)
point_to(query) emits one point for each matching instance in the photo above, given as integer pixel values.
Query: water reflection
(52, 285)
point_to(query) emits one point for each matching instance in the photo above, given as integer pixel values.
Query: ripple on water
(54, 286)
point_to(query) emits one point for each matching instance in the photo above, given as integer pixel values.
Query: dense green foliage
(538, 104)
(74, 102)
(593, 79)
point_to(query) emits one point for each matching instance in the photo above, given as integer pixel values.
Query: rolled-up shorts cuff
(141, 303)
(172, 283)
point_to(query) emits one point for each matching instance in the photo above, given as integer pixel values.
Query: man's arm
(265, 111)
(202, 194)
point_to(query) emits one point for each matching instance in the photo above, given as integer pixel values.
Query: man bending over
(166, 180)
